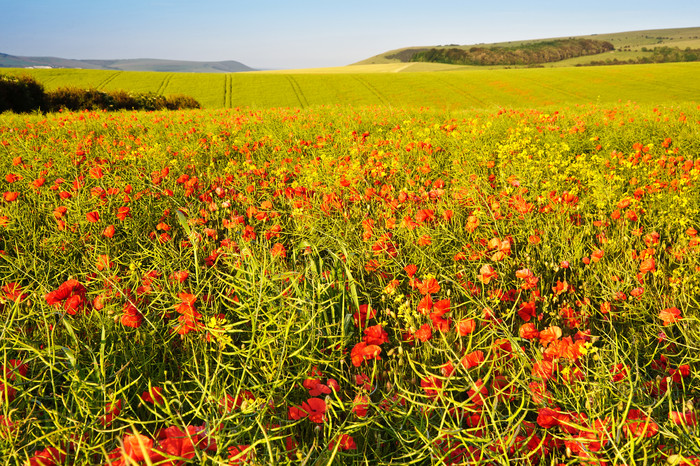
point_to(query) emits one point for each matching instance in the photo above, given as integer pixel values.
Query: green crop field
(462, 88)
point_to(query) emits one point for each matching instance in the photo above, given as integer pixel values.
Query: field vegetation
(457, 89)
(351, 285)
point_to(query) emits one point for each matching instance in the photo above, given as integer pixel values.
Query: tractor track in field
(164, 84)
(560, 89)
(108, 80)
(298, 92)
(228, 90)
(460, 91)
(373, 90)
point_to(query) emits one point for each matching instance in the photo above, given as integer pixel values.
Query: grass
(456, 89)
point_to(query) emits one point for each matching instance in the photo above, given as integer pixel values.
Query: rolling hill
(139, 64)
(628, 45)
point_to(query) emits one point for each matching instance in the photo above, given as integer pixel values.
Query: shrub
(122, 100)
(21, 94)
(180, 101)
(73, 98)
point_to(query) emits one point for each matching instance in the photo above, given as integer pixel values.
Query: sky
(269, 34)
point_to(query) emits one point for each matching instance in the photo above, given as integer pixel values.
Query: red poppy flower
(689, 418)
(486, 274)
(13, 292)
(478, 392)
(473, 359)
(425, 304)
(528, 331)
(240, 454)
(360, 405)
(410, 270)
(111, 410)
(670, 315)
(93, 217)
(278, 250)
(136, 448)
(174, 443)
(639, 424)
(345, 443)
(424, 333)
(465, 327)
(315, 387)
(543, 370)
(11, 196)
(431, 386)
(131, 317)
(364, 313)
(123, 212)
(647, 265)
(363, 351)
(315, 409)
(109, 231)
(49, 456)
(549, 334)
(548, 417)
(429, 286)
(70, 295)
(153, 396)
(376, 335)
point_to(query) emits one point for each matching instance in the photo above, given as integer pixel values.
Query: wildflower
(70, 295)
(315, 409)
(363, 313)
(424, 333)
(465, 327)
(361, 405)
(108, 231)
(345, 443)
(473, 359)
(131, 317)
(362, 351)
(486, 274)
(670, 315)
(278, 250)
(154, 395)
(429, 286)
(93, 217)
(376, 335)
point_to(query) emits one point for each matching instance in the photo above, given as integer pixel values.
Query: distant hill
(139, 64)
(628, 46)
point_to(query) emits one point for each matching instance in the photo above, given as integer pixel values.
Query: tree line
(526, 54)
(658, 55)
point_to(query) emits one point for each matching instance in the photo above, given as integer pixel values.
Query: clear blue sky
(307, 33)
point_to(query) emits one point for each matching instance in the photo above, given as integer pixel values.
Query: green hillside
(627, 45)
(463, 88)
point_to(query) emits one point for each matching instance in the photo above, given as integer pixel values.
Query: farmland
(355, 284)
(460, 88)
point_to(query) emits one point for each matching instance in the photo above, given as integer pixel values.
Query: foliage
(526, 54)
(20, 94)
(657, 55)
